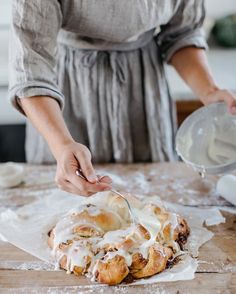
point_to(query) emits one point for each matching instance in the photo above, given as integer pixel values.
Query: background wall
(218, 8)
(7, 114)
(215, 8)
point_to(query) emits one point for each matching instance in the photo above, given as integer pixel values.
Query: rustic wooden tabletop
(216, 273)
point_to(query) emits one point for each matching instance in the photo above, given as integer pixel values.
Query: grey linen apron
(103, 61)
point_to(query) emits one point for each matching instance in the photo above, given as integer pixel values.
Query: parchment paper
(28, 226)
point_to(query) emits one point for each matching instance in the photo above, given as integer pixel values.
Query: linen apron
(103, 61)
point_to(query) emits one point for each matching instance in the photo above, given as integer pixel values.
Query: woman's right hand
(72, 157)
(46, 116)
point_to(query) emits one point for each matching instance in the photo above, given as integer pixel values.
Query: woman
(89, 76)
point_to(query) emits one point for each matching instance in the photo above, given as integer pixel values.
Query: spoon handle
(132, 215)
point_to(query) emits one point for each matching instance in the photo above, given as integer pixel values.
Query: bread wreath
(101, 241)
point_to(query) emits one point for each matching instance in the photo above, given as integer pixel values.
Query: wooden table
(23, 273)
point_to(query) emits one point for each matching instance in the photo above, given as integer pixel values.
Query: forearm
(46, 116)
(191, 64)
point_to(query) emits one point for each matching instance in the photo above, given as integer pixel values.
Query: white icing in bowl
(207, 139)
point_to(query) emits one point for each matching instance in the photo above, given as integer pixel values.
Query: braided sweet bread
(100, 241)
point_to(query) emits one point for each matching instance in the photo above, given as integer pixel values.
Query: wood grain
(57, 282)
(23, 273)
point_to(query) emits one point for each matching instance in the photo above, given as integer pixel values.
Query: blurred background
(220, 29)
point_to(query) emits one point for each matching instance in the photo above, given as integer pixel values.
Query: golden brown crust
(182, 231)
(86, 231)
(105, 220)
(77, 270)
(157, 260)
(113, 271)
(143, 233)
(63, 262)
(89, 225)
(138, 262)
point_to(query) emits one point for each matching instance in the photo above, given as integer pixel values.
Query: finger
(233, 110)
(104, 179)
(232, 103)
(229, 98)
(70, 188)
(86, 166)
(86, 186)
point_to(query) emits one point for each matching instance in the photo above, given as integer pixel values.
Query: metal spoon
(131, 212)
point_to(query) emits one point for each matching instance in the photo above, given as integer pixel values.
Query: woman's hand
(192, 65)
(70, 158)
(46, 116)
(218, 95)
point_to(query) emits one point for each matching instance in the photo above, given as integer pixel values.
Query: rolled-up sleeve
(183, 29)
(32, 50)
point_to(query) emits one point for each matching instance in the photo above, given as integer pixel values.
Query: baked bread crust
(103, 243)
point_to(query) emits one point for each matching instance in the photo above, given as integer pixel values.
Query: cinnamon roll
(100, 241)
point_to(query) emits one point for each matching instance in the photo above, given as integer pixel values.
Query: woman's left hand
(219, 95)
(192, 65)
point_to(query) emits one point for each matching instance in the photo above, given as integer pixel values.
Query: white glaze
(121, 252)
(208, 142)
(78, 251)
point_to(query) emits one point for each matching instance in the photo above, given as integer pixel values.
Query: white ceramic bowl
(206, 140)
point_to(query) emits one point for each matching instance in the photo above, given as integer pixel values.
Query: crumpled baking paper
(27, 229)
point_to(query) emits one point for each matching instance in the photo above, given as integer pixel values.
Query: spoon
(131, 212)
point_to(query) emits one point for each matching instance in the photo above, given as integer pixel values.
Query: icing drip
(82, 251)
(114, 237)
(77, 254)
(151, 223)
(127, 256)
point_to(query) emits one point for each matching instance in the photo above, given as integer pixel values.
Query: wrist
(58, 146)
(206, 93)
